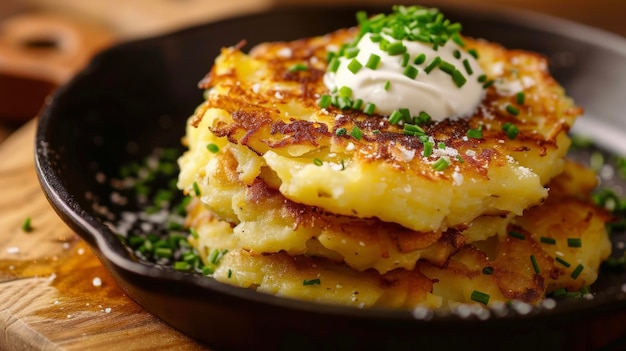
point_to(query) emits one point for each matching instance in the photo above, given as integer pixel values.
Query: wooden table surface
(54, 293)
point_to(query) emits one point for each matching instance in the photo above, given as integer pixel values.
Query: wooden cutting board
(54, 293)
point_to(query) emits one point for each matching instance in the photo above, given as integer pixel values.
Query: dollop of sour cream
(389, 88)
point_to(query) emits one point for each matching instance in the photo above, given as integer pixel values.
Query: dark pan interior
(136, 96)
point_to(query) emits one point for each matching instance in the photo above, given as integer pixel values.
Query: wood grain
(48, 299)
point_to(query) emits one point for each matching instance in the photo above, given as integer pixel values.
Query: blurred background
(44, 42)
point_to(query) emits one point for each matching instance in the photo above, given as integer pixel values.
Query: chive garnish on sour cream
(399, 46)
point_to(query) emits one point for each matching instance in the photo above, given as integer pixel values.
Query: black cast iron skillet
(136, 97)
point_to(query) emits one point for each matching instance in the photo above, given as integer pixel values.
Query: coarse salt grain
(13, 250)
(422, 313)
(284, 53)
(97, 282)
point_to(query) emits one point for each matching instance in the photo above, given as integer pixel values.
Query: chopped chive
(333, 65)
(396, 48)
(26, 225)
(433, 64)
(428, 148)
(324, 101)
(512, 110)
(480, 297)
(482, 78)
(596, 161)
(420, 59)
(373, 61)
(517, 235)
(405, 59)
(357, 104)
(351, 52)
(369, 108)
(441, 145)
(460, 158)
(330, 56)
(424, 118)
(135, 241)
(562, 261)
(468, 67)
(317, 162)
(488, 84)
(406, 114)
(215, 255)
(436, 45)
(342, 50)
(574, 242)
(181, 266)
(577, 271)
(441, 164)
(298, 67)
(164, 252)
(520, 97)
(194, 232)
(148, 246)
(345, 91)
(533, 260)
(356, 133)
(475, 133)
(230, 273)
(458, 78)
(196, 189)
(213, 148)
(411, 72)
(383, 44)
(510, 129)
(547, 240)
(315, 281)
(376, 37)
(190, 257)
(447, 67)
(395, 117)
(456, 54)
(344, 103)
(473, 52)
(457, 39)
(387, 85)
(412, 129)
(488, 270)
(355, 66)
(422, 38)
(208, 270)
(341, 131)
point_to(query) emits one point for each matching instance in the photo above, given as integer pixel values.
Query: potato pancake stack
(333, 203)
